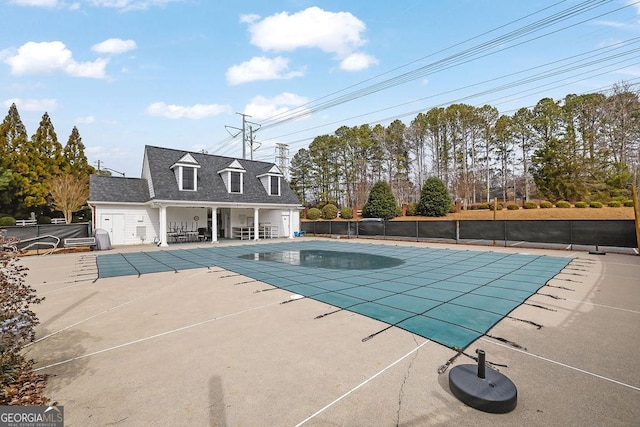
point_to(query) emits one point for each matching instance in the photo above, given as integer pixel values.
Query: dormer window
(236, 182)
(186, 172)
(233, 177)
(274, 186)
(188, 178)
(271, 181)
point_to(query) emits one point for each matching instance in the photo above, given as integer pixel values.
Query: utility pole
(282, 157)
(252, 142)
(243, 131)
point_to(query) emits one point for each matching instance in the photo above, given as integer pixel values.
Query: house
(194, 196)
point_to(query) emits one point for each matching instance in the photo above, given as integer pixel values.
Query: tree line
(583, 147)
(38, 174)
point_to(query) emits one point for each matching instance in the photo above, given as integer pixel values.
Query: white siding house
(194, 196)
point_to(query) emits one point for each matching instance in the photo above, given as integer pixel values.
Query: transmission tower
(282, 157)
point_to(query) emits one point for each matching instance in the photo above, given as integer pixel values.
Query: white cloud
(50, 57)
(36, 3)
(114, 46)
(197, 111)
(261, 107)
(128, 5)
(85, 120)
(357, 61)
(39, 105)
(332, 32)
(249, 18)
(261, 68)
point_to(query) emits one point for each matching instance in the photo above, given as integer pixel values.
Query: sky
(179, 73)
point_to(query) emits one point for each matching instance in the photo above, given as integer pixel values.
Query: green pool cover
(449, 296)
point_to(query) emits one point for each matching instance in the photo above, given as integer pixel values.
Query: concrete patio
(210, 347)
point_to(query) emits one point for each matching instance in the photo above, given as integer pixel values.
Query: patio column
(290, 224)
(214, 225)
(256, 221)
(163, 226)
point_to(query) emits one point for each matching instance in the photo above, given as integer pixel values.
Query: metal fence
(614, 233)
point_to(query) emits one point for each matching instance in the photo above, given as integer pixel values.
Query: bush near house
(499, 206)
(346, 213)
(581, 205)
(314, 214)
(546, 205)
(329, 211)
(530, 205)
(596, 205)
(513, 207)
(628, 203)
(412, 209)
(434, 198)
(562, 204)
(7, 221)
(614, 204)
(381, 202)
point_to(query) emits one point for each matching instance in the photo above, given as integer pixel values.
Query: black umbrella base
(495, 393)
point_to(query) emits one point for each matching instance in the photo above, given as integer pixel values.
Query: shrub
(483, 206)
(628, 203)
(412, 209)
(381, 202)
(7, 221)
(530, 205)
(581, 205)
(546, 205)
(329, 211)
(513, 207)
(314, 213)
(44, 220)
(453, 209)
(498, 207)
(434, 198)
(596, 205)
(346, 213)
(17, 324)
(562, 204)
(614, 204)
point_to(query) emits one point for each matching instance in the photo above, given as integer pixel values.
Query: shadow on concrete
(217, 414)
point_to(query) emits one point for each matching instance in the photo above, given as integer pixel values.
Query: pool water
(333, 260)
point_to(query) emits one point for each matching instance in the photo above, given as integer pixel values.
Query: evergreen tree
(434, 198)
(381, 202)
(13, 140)
(39, 162)
(75, 161)
(300, 174)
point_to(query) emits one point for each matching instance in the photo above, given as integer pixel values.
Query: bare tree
(69, 194)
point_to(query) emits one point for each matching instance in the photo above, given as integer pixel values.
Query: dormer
(233, 177)
(186, 173)
(271, 181)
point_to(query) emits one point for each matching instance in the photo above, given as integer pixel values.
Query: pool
(332, 260)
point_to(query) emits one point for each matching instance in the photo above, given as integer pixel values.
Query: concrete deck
(200, 347)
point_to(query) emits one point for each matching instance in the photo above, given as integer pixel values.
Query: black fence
(614, 233)
(27, 233)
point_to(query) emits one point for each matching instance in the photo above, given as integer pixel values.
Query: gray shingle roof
(211, 187)
(118, 189)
